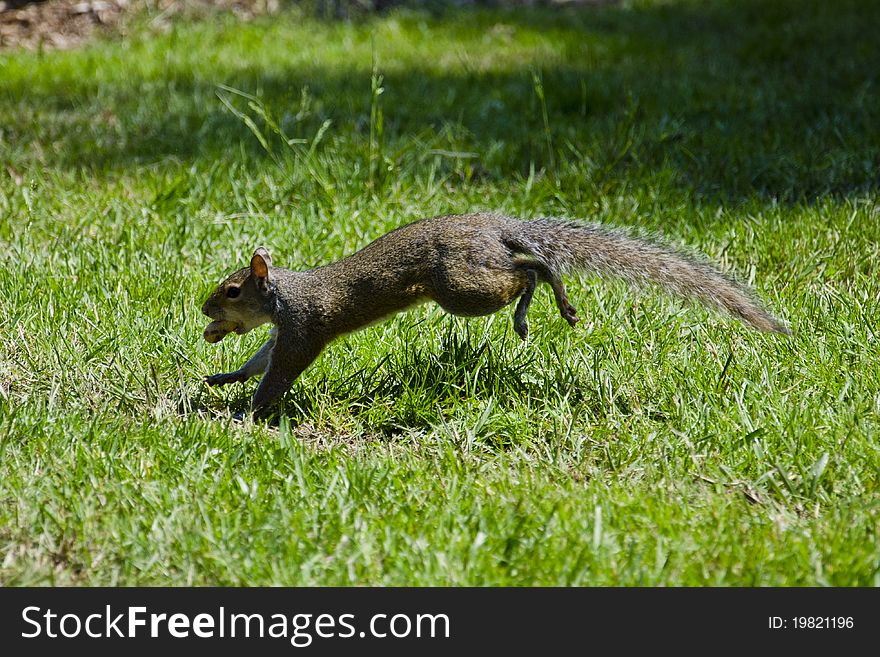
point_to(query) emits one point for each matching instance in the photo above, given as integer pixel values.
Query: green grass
(657, 444)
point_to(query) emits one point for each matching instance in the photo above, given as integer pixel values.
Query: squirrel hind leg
(549, 276)
(520, 322)
(568, 312)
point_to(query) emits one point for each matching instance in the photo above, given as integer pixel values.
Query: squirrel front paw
(223, 378)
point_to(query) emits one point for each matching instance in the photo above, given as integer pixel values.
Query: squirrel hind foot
(569, 314)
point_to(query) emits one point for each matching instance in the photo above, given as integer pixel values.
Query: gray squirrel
(472, 264)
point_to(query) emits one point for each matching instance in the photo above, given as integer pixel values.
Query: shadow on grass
(424, 388)
(730, 99)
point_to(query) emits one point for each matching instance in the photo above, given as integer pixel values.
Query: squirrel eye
(233, 292)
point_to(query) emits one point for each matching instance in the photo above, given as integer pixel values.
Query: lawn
(656, 444)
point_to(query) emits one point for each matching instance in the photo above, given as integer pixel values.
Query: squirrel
(471, 264)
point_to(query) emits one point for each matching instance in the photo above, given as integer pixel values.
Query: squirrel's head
(243, 301)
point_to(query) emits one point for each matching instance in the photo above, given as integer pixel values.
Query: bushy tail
(571, 245)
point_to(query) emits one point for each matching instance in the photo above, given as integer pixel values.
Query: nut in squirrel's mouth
(217, 330)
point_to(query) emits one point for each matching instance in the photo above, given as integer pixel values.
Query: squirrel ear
(260, 263)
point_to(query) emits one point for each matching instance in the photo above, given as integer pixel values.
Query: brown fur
(471, 265)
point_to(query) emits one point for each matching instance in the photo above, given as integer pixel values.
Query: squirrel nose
(209, 308)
